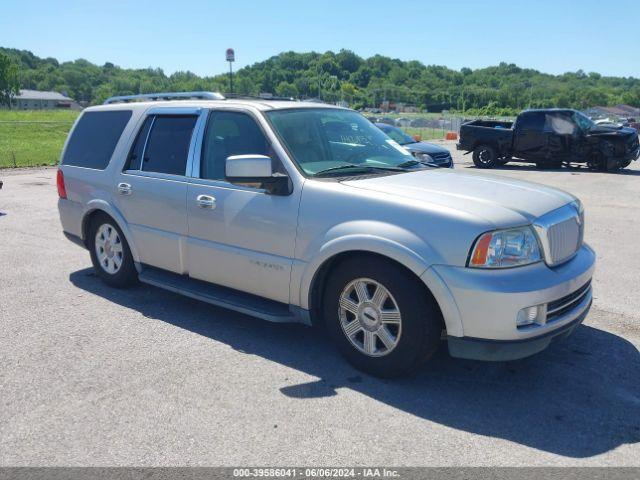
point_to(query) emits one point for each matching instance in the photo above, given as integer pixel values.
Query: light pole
(231, 57)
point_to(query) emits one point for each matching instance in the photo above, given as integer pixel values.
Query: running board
(220, 296)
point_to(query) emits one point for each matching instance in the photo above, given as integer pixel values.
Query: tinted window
(135, 156)
(227, 134)
(168, 144)
(94, 138)
(531, 121)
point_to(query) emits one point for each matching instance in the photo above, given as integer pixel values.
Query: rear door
(151, 190)
(529, 141)
(242, 237)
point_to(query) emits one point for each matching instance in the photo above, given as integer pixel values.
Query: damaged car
(550, 138)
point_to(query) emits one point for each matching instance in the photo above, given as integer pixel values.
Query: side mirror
(256, 169)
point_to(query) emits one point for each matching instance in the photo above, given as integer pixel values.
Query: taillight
(62, 191)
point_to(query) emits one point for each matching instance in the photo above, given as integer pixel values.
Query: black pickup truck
(549, 138)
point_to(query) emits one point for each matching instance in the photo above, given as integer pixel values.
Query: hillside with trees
(503, 89)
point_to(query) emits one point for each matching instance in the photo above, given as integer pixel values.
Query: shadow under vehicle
(578, 399)
(549, 138)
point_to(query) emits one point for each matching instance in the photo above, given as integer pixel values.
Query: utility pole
(319, 81)
(231, 57)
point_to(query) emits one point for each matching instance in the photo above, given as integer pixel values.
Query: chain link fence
(428, 126)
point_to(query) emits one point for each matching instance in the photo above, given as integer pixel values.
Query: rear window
(94, 138)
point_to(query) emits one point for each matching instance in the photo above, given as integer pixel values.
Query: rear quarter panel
(90, 189)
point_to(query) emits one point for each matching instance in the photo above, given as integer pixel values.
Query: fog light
(531, 315)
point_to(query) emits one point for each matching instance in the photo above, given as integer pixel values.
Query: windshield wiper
(356, 167)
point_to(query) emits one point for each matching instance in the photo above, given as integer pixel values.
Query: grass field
(426, 133)
(33, 138)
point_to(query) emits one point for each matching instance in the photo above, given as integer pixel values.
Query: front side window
(559, 123)
(162, 144)
(94, 138)
(228, 134)
(325, 140)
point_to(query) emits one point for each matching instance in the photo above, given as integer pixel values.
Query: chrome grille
(561, 234)
(564, 239)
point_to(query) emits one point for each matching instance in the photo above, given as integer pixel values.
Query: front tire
(110, 253)
(484, 156)
(380, 316)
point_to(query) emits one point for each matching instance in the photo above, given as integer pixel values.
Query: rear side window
(531, 121)
(94, 138)
(162, 145)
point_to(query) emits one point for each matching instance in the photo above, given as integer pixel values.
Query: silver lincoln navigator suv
(304, 212)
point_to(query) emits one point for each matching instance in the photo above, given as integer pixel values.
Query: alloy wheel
(109, 251)
(370, 317)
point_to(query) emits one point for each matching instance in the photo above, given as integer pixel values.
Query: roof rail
(242, 96)
(165, 96)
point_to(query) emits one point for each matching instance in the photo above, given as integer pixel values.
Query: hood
(428, 148)
(615, 131)
(499, 201)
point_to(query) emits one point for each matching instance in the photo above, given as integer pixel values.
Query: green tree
(285, 89)
(9, 79)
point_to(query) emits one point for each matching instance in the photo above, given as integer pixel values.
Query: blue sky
(551, 36)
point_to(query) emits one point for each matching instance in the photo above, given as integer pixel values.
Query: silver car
(303, 212)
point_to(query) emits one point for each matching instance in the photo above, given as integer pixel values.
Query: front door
(151, 191)
(562, 133)
(239, 236)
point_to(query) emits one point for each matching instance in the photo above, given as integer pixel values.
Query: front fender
(113, 212)
(387, 240)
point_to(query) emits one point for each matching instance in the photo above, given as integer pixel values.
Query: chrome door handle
(124, 189)
(206, 201)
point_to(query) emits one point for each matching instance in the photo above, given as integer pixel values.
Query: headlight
(505, 248)
(424, 157)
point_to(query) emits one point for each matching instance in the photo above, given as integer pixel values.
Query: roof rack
(242, 96)
(165, 96)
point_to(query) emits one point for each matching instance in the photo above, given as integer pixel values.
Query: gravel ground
(95, 376)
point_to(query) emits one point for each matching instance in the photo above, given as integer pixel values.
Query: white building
(37, 100)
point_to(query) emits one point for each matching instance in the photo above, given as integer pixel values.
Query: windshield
(584, 122)
(398, 135)
(324, 139)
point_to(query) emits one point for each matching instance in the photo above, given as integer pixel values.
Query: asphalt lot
(95, 376)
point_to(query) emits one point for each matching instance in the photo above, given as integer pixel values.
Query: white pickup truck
(303, 212)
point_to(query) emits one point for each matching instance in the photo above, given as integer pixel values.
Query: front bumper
(487, 303)
(503, 350)
(633, 155)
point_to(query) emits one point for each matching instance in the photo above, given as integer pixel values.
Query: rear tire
(380, 316)
(110, 253)
(484, 156)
